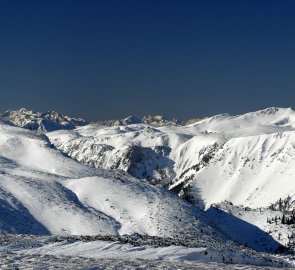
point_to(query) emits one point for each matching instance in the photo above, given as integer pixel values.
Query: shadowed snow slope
(44, 192)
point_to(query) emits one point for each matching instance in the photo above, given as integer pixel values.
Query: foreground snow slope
(129, 252)
(44, 192)
(247, 159)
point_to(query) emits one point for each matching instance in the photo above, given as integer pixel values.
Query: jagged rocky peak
(42, 122)
(157, 120)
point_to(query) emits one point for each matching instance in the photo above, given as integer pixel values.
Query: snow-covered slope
(254, 164)
(254, 171)
(157, 154)
(42, 122)
(44, 192)
(270, 119)
(247, 159)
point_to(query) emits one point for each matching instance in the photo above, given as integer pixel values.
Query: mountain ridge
(41, 122)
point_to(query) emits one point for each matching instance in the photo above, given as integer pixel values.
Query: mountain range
(219, 182)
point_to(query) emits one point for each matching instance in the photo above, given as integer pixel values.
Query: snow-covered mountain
(42, 122)
(254, 164)
(247, 159)
(47, 188)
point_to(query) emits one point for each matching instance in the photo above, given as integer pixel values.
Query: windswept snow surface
(127, 253)
(246, 159)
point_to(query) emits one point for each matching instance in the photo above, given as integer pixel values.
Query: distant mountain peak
(41, 122)
(156, 120)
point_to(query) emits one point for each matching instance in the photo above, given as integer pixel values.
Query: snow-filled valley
(149, 192)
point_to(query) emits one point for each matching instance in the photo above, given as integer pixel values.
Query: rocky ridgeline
(51, 120)
(157, 120)
(42, 122)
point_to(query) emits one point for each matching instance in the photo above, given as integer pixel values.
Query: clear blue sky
(109, 59)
